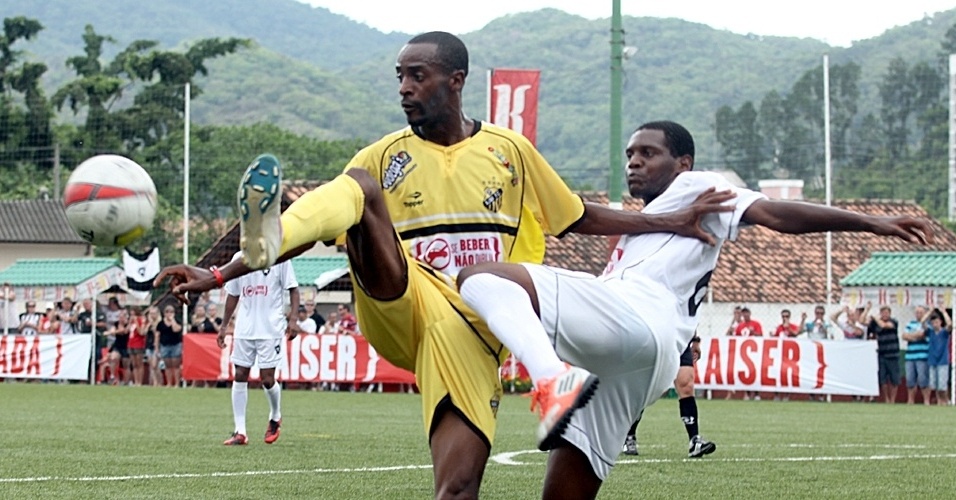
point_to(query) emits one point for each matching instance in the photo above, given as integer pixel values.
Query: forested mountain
(318, 73)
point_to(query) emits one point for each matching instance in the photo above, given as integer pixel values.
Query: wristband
(218, 275)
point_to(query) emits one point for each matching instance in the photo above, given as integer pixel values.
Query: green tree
(25, 134)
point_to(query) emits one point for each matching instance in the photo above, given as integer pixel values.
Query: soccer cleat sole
(259, 191)
(553, 436)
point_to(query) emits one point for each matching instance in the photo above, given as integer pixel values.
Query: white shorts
(592, 327)
(267, 352)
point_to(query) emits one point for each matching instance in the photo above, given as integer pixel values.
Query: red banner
(514, 100)
(788, 365)
(307, 358)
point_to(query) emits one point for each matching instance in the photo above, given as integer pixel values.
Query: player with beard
(649, 295)
(416, 207)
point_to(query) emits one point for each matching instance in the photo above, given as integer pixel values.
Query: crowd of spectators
(137, 345)
(927, 336)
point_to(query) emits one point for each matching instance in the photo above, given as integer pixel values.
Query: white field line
(806, 446)
(508, 458)
(138, 477)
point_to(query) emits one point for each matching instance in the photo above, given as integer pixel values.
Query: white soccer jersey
(655, 271)
(261, 310)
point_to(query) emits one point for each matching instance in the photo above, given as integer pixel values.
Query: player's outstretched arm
(601, 220)
(798, 218)
(184, 279)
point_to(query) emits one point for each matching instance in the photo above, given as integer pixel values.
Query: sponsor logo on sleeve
(395, 172)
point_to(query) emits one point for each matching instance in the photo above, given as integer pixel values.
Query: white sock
(274, 394)
(506, 308)
(240, 396)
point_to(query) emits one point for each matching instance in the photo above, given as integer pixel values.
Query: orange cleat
(556, 399)
(236, 440)
(272, 431)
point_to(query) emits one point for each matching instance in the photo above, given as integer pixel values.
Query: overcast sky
(837, 22)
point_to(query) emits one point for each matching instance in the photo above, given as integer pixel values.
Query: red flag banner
(307, 358)
(514, 100)
(788, 365)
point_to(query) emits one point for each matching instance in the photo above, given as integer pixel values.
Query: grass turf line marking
(209, 474)
(509, 458)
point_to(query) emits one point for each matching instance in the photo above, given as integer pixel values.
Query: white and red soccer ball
(110, 200)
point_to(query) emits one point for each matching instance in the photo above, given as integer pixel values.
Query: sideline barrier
(788, 365)
(65, 357)
(307, 358)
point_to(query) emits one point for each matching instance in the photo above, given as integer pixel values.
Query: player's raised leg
(504, 296)
(266, 234)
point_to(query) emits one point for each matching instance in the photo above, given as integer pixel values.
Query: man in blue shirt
(917, 353)
(938, 335)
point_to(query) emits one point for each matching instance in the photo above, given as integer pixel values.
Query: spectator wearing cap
(938, 333)
(305, 322)
(748, 327)
(49, 323)
(30, 319)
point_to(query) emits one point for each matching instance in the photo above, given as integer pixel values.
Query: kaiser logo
(395, 171)
(493, 199)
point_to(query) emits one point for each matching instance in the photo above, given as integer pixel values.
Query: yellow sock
(322, 214)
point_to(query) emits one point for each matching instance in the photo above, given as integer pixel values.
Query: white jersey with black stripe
(664, 276)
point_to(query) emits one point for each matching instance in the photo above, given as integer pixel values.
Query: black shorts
(123, 352)
(687, 358)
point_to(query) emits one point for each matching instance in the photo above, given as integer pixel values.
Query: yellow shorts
(430, 332)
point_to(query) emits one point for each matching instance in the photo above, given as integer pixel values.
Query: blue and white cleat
(260, 197)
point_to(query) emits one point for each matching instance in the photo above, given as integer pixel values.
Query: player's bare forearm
(601, 220)
(798, 218)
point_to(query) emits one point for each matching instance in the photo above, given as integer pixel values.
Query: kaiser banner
(307, 358)
(788, 365)
(513, 100)
(45, 356)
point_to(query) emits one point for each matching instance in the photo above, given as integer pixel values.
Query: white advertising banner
(45, 356)
(788, 365)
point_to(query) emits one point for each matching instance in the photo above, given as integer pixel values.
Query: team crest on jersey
(493, 198)
(507, 164)
(395, 172)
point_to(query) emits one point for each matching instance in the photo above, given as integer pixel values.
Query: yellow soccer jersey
(464, 204)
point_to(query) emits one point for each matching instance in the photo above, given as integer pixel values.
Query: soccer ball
(110, 200)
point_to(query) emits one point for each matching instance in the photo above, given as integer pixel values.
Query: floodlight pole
(615, 147)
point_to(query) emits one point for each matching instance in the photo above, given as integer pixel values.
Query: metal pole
(952, 137)
(615, 148)
(186, 95)
(93, 341)
(827, 169)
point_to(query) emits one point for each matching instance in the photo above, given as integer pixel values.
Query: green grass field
(76, 441)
